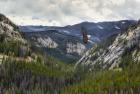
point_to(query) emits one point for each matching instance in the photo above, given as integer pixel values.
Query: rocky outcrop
(11, 40)
(78, 48)
(9, 31)
(110, 56)
(46, 42)
(5, 20)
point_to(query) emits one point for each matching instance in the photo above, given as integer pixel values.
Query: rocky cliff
(9, 31)
(78, 48)
(11, 40)
(110, 56)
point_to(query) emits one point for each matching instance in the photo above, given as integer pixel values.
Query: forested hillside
(25, 69)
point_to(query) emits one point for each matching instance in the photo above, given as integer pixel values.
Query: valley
(66, 43)
(58, 60)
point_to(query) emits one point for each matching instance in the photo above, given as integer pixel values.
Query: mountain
(25, 69)
(110, 53)
(11, 40)
(95, 31)
(65, 47)
(8, 30)
(111, 66)
(66, 43)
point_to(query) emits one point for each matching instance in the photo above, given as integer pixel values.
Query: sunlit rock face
(46, 42)
(9, 31)
(10, 35)
(110, 56)
(75, 48)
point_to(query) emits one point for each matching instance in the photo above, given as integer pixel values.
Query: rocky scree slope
(109, 57)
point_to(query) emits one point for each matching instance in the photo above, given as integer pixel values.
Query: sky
(68, 12)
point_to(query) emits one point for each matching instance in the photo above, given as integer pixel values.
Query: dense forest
(20, 77)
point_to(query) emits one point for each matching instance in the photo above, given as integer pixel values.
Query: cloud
(64, 12)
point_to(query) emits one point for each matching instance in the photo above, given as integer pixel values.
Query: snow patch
(117, 27)
(89, 36)
(65, 31)
(123, 22)
(91, 41)
(100, 27)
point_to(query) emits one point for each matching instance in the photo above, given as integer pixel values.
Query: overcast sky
(66, 12)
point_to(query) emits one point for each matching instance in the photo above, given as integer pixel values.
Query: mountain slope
(65, 47)
(110, 56)
(19, 75)
(66, 43)
(23, 70)
(11, 40)
(95, 31)
(8, 30)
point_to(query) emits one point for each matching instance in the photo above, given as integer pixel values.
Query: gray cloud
(72, 11)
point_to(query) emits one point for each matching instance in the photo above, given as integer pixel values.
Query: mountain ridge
(59, 36)
(126, 43)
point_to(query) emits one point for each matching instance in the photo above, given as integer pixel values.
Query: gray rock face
(78, 48)
(9, 31)
(46, 42)
(110, 56)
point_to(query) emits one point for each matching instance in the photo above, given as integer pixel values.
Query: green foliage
(20, 77)
(32, 77)
(108, 82)
(126, 61)
(13, 48)
(105, 43)
(38, 68)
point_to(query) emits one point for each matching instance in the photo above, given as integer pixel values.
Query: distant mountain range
(66, 43)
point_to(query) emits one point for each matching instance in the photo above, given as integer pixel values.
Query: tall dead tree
(84, 34)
